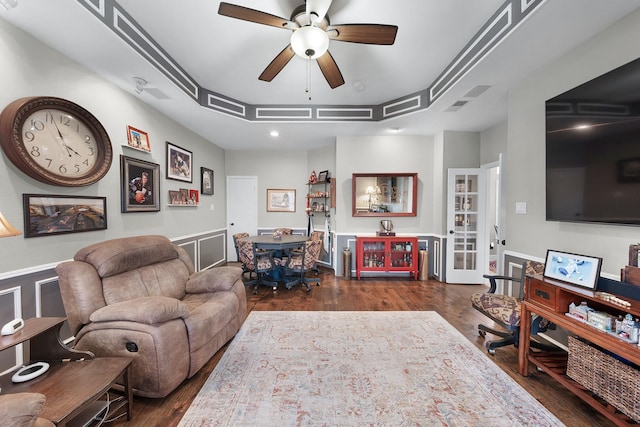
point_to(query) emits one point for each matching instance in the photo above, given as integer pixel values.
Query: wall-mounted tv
(593, 150)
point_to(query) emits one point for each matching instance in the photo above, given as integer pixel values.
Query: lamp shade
(310, 42)
(6, 229)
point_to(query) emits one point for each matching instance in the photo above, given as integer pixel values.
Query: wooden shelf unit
(550, 299)
(75, 379)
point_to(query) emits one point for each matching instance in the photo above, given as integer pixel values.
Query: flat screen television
(593, 150)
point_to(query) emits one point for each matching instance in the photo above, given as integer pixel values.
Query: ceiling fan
(311, 32)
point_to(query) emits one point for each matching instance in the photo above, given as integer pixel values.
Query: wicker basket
(614, 381)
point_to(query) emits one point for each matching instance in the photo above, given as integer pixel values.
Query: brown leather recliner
(140, 297)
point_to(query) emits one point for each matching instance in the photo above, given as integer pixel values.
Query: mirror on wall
(384, 194)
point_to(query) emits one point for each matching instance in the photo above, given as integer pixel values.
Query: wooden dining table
(268, 242)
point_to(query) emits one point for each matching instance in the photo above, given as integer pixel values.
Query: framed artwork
(576, 269)
(629, 170)
(140, 183)
(184, 195)
(281, 200)
(323, 176)
(194, 198)
(138, 139)
(46, 215)
(175, 198)
(179, 163)
(206, 181)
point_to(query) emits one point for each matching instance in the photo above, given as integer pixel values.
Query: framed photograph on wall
(138, 139)
(206, 181)
(323, 176)
(179, 163)
(576, 269)
(140, 183)
(45, 214)
(281, 200)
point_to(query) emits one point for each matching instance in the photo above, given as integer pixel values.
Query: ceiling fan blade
(363, 33)
(330, 70)
(277, 64)
(252, 15)
(318, 8)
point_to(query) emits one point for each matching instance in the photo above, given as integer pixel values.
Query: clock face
(55, 141)
(60, 143)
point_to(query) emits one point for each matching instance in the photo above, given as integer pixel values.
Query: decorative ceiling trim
(508, 17)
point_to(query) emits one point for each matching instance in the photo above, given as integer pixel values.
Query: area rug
(359, 369)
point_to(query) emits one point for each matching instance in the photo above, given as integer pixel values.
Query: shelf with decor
(321, 195)
(593, 352)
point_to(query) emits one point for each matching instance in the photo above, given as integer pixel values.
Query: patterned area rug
(359, 369)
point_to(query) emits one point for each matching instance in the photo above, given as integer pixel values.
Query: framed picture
(184, 195)
(194, 199)
(179, 163)
(45, 214)
(206, 181)
(138, 139)
(281, 200)
(629, 170)
(175, 198)
(140, 183)
(576, 269)
(323, 176)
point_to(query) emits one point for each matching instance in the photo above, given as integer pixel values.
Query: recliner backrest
(120, 270)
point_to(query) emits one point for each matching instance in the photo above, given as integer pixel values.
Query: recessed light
(395, 130)
(275, 133)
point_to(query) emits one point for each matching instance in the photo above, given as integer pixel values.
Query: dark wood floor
(337, 294)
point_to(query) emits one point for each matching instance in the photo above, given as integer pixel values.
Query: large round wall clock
(55, 141)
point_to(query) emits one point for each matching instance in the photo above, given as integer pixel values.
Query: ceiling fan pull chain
(308, 89)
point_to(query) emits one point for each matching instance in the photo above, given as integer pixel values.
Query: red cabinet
(387, 254)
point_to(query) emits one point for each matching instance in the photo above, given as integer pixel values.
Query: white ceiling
(226, 56)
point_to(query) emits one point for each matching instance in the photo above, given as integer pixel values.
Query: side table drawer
(542, 294)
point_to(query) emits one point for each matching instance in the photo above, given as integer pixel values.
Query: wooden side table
(74, 381)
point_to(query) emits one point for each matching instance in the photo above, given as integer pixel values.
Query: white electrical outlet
(213, 208)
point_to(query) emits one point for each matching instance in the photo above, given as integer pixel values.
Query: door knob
(504, 242)
(232, 224)
(451, 231)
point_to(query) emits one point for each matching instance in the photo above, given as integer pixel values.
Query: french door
(467, 250)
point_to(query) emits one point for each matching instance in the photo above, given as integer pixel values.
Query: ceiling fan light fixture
(310, 42)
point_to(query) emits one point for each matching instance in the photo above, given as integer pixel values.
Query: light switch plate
(521, 208)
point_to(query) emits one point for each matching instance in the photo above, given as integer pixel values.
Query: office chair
(505, 311)
(259, 262)
(300, 263)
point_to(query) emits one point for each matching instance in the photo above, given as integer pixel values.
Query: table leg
(525, 340)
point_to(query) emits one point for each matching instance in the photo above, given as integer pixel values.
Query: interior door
(242, 209)
(467, 250)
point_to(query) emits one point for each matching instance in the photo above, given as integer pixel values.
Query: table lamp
(6, 229)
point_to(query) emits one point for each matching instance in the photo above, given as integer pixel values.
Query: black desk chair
(505, 311)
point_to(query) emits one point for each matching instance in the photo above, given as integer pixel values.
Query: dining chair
(236, 237)
(284, 230)
(299, 263)
(261, 263)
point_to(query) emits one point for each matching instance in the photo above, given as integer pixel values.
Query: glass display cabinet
(387, 254)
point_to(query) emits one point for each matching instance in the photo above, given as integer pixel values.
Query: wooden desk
(550, 299)
(69, 386)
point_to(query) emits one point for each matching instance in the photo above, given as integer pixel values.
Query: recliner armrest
(212, 280)
(149, 310)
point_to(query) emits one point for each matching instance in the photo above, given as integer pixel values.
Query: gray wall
(530, 234)
(31, 68)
